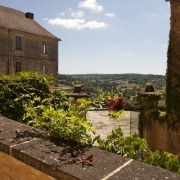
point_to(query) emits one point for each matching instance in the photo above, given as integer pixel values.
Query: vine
(168, 78)
(172, 89)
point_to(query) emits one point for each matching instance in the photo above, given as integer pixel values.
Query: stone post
(149, 126)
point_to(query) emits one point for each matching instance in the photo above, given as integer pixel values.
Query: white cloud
(77, 14)
(77, 24)
(110, 14)
(91, 4)
(62, 13)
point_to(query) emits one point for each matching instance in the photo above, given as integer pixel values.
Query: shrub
(29, 98)
(17, 90)
(164, 160)
(69, 124)
(131, 146)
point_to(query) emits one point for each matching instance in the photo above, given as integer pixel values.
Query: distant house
(25, 45)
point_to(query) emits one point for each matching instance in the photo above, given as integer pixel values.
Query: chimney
(29, 15)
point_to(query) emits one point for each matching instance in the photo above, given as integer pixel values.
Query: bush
(29, 98)
(17, 90)
(132, 146)
(69, 124)
(164, 160)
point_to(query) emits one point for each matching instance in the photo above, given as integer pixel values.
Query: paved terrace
(104, 126)
(48, 158)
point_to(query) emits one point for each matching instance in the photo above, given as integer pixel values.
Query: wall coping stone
(57, 157)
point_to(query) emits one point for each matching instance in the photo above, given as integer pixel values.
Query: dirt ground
(104, 126)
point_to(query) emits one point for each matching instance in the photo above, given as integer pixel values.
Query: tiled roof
(15, 19)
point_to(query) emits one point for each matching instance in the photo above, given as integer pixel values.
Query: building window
(18, 66)
(44, 47)
(43, 69)
(18, 43)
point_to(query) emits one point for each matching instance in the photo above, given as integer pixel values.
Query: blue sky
(105, 36)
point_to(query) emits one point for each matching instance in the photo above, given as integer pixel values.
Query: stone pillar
(173, 80)
(149, 126)
(173, 67)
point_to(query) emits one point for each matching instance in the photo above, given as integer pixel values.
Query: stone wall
(27, 153)
(154, 126)
(11, 168)
(31, 56)
(156, 137)
(3, 51)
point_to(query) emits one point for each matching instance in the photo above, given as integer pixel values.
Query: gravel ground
(104, 125)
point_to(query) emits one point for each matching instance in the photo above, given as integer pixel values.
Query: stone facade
(25, 45)
(31, 56)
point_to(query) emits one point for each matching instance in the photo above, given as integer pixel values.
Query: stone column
(149, 126)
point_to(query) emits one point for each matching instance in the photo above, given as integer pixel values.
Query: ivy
(172, 89)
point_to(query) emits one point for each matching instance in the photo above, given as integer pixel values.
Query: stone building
(25, 45)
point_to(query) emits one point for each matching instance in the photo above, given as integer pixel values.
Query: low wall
(27, 153)
(156, 137)
(173, 144)
(11, 168)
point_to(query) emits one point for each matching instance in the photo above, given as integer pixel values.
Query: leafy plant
(29, 98)
(69, 124)
(165, 160)
(17, 90)
(132, 146)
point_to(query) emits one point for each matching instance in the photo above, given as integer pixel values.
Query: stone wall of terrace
(28, 153)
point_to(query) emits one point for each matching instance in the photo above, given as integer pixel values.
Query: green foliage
(69, 124)
(17, 90)
(29, 98)
(114, 115)
(131, 146)
(172, 87)
(168, 77)
(134, 147)
(94, 83)
(164, 160)
(103, 99)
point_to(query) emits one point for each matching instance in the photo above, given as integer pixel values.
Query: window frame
(43, 69)
(18, 67)
(18, 43)
(44, 47)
